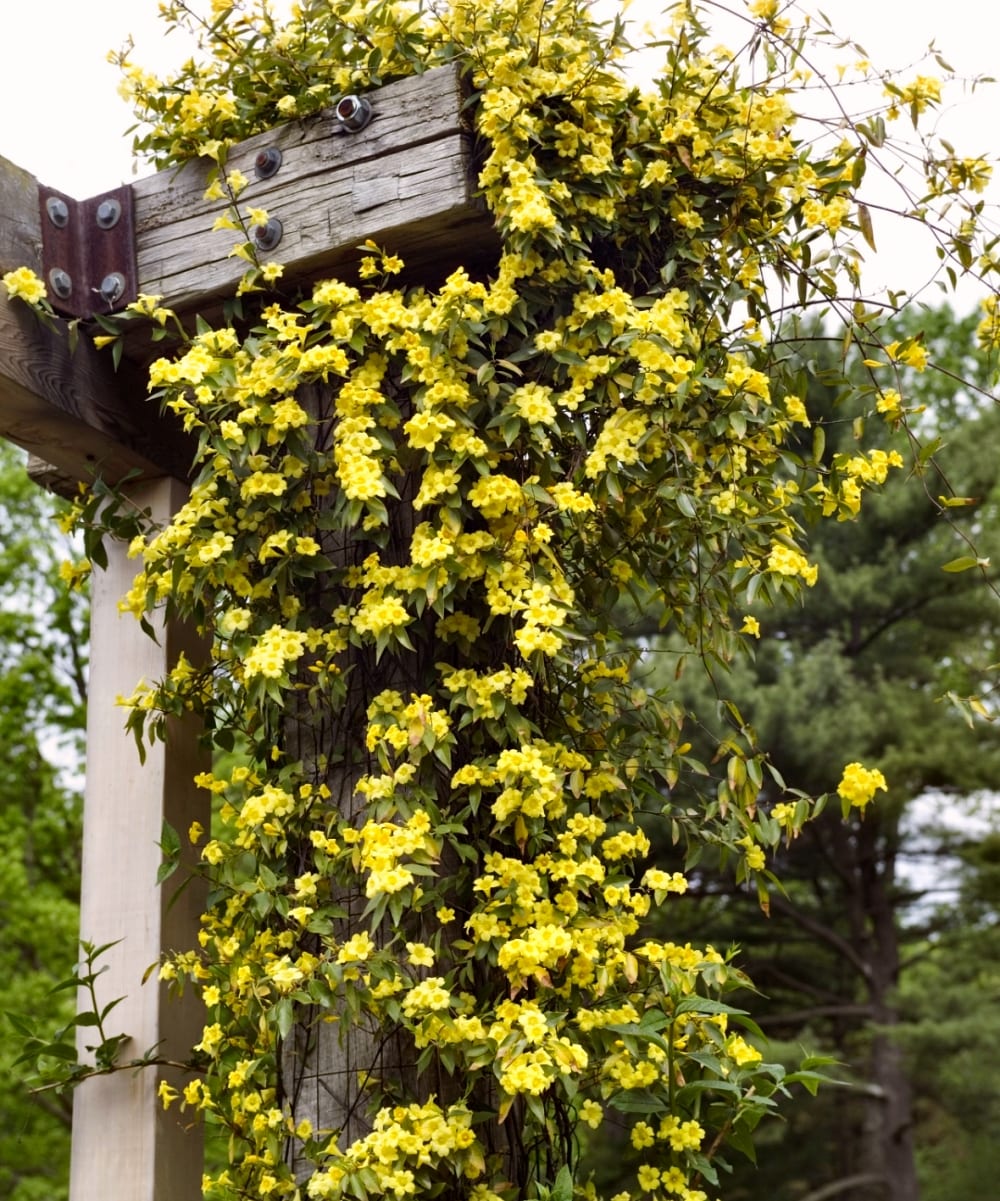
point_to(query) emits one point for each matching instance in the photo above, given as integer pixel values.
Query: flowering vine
(419, 515)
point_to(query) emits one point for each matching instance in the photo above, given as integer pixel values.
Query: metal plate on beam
(88, 251)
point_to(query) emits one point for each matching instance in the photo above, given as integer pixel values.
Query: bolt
(108, 214)
(266, 237)
(58, 211)
(61, 282)
(112, 287)
(267, 162)
(353, 113)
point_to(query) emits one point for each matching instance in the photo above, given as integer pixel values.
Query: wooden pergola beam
(61, 402)
(406, 180)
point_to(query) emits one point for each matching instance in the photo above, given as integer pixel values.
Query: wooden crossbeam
(67, 405)
(406, 180)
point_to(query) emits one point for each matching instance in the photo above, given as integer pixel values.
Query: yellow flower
(755, 859)
(741, 1051)
(661, 881)
(785, 561)
(358, 947)
(763, 10)
(924, 90)
(889, 403)
(796, 410)
(648, 1176)
(909, 352)
(592, 1114)
(419, 954)
(25, 285)
(750, 626)
(236, 181)
(858, 785)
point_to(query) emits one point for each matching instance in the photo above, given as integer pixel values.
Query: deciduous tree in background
(42, 695)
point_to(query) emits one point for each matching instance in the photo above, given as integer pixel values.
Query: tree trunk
(888, 1130)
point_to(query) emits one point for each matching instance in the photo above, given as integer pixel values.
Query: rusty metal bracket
(88, 251)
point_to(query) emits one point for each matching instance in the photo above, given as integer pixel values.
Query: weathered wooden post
(404, 180)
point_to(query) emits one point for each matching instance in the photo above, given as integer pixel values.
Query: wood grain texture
(406, 181)
(71, 409)
(20, 223)
(66, 403)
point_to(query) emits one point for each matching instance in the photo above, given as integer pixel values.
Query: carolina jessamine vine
(418, 516)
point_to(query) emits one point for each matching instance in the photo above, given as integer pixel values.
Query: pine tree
(861, 670)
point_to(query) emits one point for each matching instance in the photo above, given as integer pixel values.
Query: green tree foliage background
(42, 696)
(867, 956)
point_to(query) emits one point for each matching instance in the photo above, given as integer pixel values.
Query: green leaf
(865, 225)
(284, 1014)
(60, 1050)
(562, 1190)
(634, 1101)
(964, 563)
(20, 1024)
(706, 1005)
(170, 845)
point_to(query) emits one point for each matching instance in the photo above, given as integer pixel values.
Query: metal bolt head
(108, 214)
(58, 211)
(112, 287)
(61, 283)
(267, 162)
(266, 237)
(353, 113)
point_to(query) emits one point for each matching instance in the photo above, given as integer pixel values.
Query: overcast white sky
(64, 122)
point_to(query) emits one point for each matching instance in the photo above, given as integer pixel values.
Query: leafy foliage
(413, 512)
(862, 669)
(42, 680)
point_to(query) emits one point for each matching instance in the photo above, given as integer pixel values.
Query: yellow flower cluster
(858, 785)
(274, 651)
(415, 512)
(404, 1140)
(24, 284)
(383, 846)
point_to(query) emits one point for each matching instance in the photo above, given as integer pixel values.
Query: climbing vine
(421, 514)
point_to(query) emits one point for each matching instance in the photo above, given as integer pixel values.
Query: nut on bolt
(267, 237)
(58, 211)
(112, 287)
(61, 283)
(267, 162)
(108, 213)
(353, 113)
